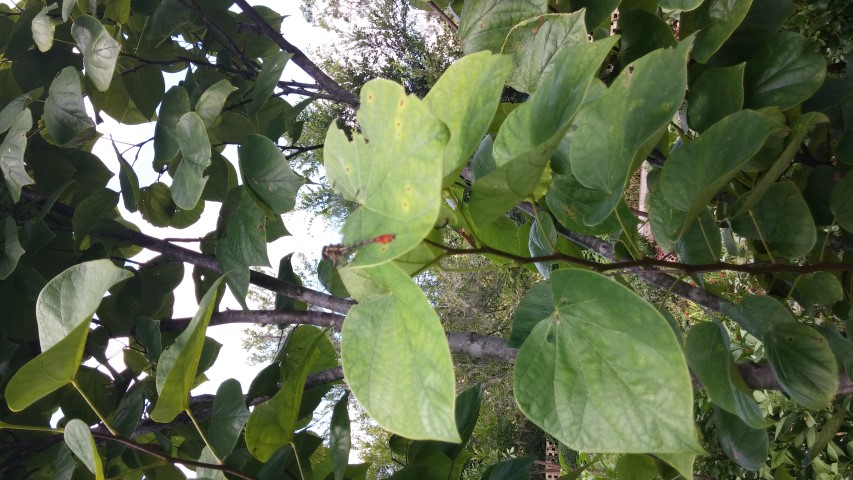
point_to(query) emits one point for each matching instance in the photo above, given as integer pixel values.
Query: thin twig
(449, 21)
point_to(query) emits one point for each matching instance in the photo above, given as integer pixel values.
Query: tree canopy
(701, 344)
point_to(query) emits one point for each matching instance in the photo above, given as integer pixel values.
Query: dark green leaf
(747, 446)
(189, 177)
(339, 443)
(783, 71)
(701, 243)
(758, 313)
(129, 183)
(228, 417)
(642, 32)
(717, 93)
(12, 250)
(803, 362)
(781, 221)
(97, 205)
(509, 469)
(244, 244)
(145, 88)
(841, 202)
(715, 21)
(635, 466)
(331, 279)
(175, 104)
(266, 172)
(285, 273)
(536, 306)
(65, 116)
(267, 79)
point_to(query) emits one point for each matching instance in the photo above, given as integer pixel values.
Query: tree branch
(449, 21)
(339, 93)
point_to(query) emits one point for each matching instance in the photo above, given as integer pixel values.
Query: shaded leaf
(97, 205)
(176, 103)
(65, 115)
(228, 417)
(747, 446)
(803, 362)
(841, 202)
(783, 71)
(781, 221)
(12, 155)
(266, 172)
(267, 79)
(339, 443)
(486, 23)
(717, 93)
(79, 440)
(210, 103)
(714, 21)
(12, 250)
(189, 177)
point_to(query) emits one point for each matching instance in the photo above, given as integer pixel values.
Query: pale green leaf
(465, 99)
(11, 112)
(614, 130)
(100, 50)
(266, 172)
(486, 23)
(79, 440)
(12, 155)
(207, 456)
(67, 7)
(65, 115)
(210, 103)
(582, 375)
(43, 28)
(393, 170)
(177, 366)
(395, 356)
(267, 79)
(189, 177)
(535, 42)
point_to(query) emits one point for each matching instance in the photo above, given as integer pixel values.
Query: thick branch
(329, 85)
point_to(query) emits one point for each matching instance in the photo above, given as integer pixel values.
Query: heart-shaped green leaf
(176, 369)
(100, 50)
(395, 355)
(486, 23)
(12, 154)
(582, 374)
(717, 92)
(393, 171)
(535, 42)
(63, 310)
(267, 79)
(43, 28)
(714, 21)
(781, 220)
(228, 417)
(614, 130)
(784, 71)
(266, 172)
(803, 362)
(747, 446)
(65, 115)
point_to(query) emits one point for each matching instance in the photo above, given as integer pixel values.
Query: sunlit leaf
(393, 170)
(43, 28)
(581, 374)
(177, 366)
(395, 356)
(100, 50)
(79, 440)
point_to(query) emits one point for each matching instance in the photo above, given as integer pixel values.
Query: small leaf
(97, 205)
(100, 50)
(339, 443)
(43, 27)
(67, 7)
(284, 303)
(129, 183)
(266, 172)
(189, 177)
(12, 250)
(582, 374)
(543, 242)
(210, 104)
(747, 446)
(177, 366)
(228, 417)
(79, 440)
(65, 115)
(801, 359)
(267, 79)
(486, 23)
(388, 339)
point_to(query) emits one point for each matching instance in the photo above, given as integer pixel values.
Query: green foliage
(730, 137)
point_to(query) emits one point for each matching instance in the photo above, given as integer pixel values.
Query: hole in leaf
(550, 338)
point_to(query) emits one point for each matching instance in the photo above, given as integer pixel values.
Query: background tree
(753, 156)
